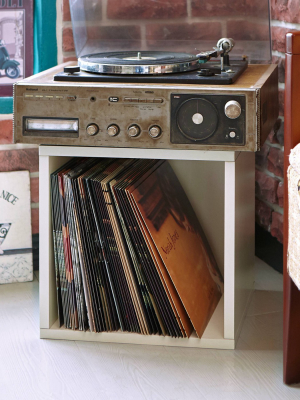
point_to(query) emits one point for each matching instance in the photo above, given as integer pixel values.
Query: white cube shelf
(220, 187)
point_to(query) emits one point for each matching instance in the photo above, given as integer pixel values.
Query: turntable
(145, 88)
(157, 66)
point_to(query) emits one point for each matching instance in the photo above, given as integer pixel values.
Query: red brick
(280, 192)
(246, 30)
(263, 214)
(281, 67)
(68, 40)
(266, 186)
(217, 8)
(286, 10)
(35, 220)
(19, 160)
(70, 58)
(272, 138)
(278, 37)
(281, 101)
(178, 32)
(261, 156)
(258, 8)
(224, 8)
(277, 226)
(137, 9)
(66, 10)
(117, 36)
(6, 131)
(34, 189)
(275, 161)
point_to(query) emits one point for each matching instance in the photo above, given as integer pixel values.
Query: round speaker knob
(155, 131)
(134, 130)
(92, 129)
(113, 130)
(232, 109)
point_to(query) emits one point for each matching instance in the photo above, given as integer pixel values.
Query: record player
(131, 95)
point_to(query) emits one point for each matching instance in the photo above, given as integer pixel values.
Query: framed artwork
(16, 43)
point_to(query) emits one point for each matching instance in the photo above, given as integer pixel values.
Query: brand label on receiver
(113, 99)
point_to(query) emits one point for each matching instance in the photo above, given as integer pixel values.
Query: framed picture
(16, 43)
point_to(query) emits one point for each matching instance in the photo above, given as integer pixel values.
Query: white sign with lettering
(15, 228)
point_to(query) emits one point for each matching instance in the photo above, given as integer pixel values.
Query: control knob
(92, 129)
(154, 131)
(72, 69)
(134, 131)
(113, 130)
(232, 109)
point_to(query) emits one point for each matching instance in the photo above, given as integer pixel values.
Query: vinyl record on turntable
(138, 62)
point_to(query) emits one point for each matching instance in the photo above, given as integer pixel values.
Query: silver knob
(232, 109)
(232, 134)
(113, 130)
(155, 131)
(92, 129)
(134, 130)
(197, 118)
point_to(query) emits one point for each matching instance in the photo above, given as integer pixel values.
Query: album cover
(181, 243)
(16, 43)
(15, 228)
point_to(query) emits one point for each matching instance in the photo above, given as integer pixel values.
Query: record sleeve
(181, 243)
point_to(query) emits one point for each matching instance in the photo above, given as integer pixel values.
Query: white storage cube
(220, 187)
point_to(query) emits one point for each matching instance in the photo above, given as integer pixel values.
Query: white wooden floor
(31, 368)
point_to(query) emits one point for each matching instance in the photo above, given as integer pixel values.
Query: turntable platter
(139, 62)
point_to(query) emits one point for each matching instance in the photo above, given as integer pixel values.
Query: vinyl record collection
(129, 251)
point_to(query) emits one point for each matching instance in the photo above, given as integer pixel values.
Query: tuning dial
(92, 129)
(113, 130)
(134, 130)
(232, 109)
(155, 131)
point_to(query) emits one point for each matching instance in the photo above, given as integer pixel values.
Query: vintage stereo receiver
(162, 101)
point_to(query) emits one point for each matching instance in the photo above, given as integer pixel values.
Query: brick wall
(162, 24)
(285, 16)
(20, 158)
